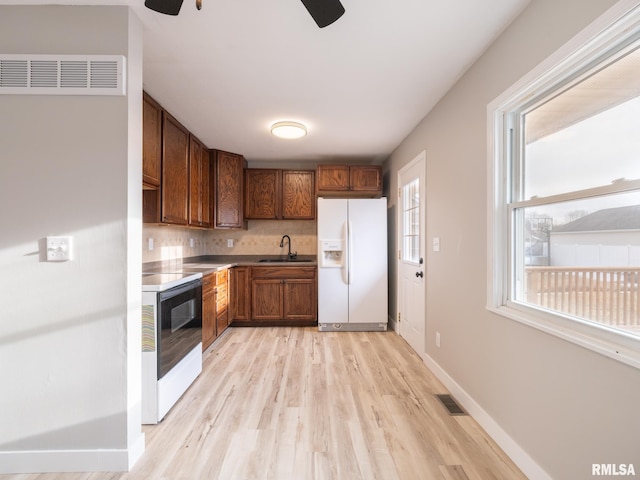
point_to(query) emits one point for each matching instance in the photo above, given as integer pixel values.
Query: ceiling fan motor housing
(324, 12)
(168, 7)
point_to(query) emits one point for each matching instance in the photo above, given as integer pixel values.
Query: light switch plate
(59, 249)
(436, 244)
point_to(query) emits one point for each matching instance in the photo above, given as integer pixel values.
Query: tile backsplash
(261, 238)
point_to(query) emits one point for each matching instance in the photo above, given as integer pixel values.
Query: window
(411, 221)
(565, 242)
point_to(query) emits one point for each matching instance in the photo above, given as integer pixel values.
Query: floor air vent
(450, 404)
(62, 75)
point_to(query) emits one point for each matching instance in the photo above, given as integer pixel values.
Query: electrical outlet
(438, 339)
(150, 244)
(230, 242)
(58, 249)
(192, 242)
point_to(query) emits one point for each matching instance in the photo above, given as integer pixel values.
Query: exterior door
(411, 258)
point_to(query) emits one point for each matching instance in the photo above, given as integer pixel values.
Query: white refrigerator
(352, 264)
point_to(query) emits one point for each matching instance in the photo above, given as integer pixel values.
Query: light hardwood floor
(298, 404)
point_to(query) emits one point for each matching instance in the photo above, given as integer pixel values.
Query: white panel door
(411, 264)
(367, 260)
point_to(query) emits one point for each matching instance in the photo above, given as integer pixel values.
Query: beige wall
(565, 406)
(70, 331)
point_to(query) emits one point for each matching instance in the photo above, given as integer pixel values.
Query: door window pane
(411, 221)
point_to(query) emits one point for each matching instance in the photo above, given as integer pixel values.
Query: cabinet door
(332, 178)
(195, 182)
(239, 294)
(209, 320)
(262, 193)
(228, 198)
(365, 178)
(299, 299)
(175, 171)
(298, 195)
(199, 185)
(222, 310)
(207, 183)
(266, 299)
(151, 141)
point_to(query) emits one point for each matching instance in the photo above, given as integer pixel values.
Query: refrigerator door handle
(344, 271)
(349, 253)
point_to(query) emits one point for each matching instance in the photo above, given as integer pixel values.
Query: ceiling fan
(324, 12)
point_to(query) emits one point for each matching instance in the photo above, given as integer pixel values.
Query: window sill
(615, 344)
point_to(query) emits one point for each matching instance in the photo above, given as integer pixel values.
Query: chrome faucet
(289, 254)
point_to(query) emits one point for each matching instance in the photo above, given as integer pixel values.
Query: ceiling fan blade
(168, 7)
(324, 12)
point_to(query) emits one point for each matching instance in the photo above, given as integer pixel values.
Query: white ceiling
(360, 85)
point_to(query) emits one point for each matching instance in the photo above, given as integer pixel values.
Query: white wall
(69, 332)
(561, 406)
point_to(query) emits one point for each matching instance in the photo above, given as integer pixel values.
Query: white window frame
(615, 28)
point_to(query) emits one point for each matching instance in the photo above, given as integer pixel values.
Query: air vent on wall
(62, 74)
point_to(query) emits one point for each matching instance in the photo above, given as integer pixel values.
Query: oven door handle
(172, 292)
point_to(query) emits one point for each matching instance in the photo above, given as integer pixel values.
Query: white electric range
(171, 339)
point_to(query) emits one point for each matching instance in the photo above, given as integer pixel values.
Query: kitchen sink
(283, 260)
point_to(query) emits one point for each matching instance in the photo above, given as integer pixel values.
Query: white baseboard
(524, 462)
(54, 461)
(391, 324)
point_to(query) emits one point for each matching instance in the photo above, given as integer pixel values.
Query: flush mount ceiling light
(288, 130)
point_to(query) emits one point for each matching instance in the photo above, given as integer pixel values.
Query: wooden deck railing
(609, 295)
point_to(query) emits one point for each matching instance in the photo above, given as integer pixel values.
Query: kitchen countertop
(206, 264)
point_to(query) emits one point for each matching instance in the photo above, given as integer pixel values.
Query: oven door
(179, 324)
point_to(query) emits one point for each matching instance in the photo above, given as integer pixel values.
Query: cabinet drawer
(208, 283)
(283, 272)
(221, 277)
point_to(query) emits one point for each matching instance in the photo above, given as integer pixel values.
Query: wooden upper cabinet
(151, 141)
(229, 190)
(333, 178)
(298, 194)
(262, 193)
(365, 178)
(279, 194)
(349, 180)
(175, 171)
(199, 184)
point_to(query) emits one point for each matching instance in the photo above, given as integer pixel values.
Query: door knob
(419, 274)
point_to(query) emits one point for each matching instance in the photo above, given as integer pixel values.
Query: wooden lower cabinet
(283, 296)
(239, 295)
(266, 299)
(222, 301)
(208, 310)
(215, 312)
(299, 299)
